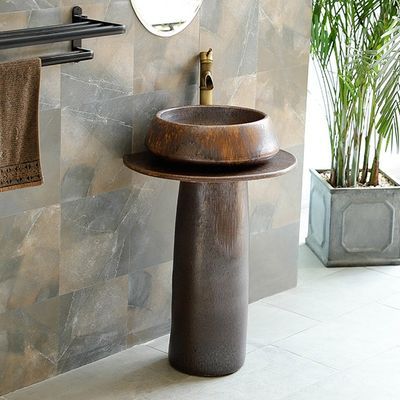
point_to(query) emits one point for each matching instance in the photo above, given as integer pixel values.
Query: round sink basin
(212, 135)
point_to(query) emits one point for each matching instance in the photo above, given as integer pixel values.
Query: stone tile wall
(85, 259)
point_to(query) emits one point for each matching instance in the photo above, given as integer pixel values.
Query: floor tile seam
(308, 386)
(276, 342)
(369, 303)
(255, 349)
(155, 348)
(338, 269)
(313, 280)
(334, 370)
(264, 302)
(388, 305)
(321, 278)
(370, 268)
(333, 319)
(366, 359)
(338, 372)
(351, 366)
(388, 294)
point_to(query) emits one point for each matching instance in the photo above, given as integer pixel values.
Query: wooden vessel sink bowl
(212, 135)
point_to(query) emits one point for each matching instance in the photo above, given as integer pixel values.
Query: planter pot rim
(317, 173)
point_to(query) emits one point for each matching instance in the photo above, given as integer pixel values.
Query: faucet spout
(207, 82)
(206, 78)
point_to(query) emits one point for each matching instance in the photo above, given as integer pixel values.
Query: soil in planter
(384, 181)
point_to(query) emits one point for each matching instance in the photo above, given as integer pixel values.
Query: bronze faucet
(206, 79)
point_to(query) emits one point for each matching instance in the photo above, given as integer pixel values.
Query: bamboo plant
(355, 45)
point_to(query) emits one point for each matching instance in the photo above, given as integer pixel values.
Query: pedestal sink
(213, 151)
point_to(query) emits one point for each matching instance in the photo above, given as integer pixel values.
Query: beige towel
(19, 125)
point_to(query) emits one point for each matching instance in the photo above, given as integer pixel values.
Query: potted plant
(355, 207)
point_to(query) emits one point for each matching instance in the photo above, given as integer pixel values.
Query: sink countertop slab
(147, 164)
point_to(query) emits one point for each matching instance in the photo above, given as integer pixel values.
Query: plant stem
(365, 168)
(374, 178)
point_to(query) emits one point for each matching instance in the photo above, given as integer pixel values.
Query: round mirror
(166, 17)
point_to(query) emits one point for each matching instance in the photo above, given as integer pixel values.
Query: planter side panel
(320, 217)
(365, 229)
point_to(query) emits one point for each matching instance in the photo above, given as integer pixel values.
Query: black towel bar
(63, 58)
(80, 28)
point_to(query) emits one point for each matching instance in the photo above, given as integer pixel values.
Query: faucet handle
(206, 56)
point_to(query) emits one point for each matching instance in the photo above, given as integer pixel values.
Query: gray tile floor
(334, 337)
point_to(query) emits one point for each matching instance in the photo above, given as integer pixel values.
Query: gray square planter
(353, 226)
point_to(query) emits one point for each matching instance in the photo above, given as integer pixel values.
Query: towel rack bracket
(77, 17)
(77, 14)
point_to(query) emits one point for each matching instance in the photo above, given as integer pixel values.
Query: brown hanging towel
(19, 124)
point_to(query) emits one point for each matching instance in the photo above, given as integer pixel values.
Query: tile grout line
(388, 306)
(154, 348)
(345, 369)
(382, 272)
(386, 296)
(397, 346)
(255, 349)
(276, 342)
(290, 311)
(338, 372)
(290, 396)
(334, 369)
(304, 285)
(369, 302)
(333, 272)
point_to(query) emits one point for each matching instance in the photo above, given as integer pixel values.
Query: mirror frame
(156, 32)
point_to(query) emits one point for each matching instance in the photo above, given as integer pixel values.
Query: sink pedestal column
(210, 279)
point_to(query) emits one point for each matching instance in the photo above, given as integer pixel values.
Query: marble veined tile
(94, 139)
(110, 74)
(116, 233)
(149, 302)
(29, 257)
(92, 323)
(165, 63)
(28, 345)
(230, 28)
(284, 34)
(94, 240)
(23, 5)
